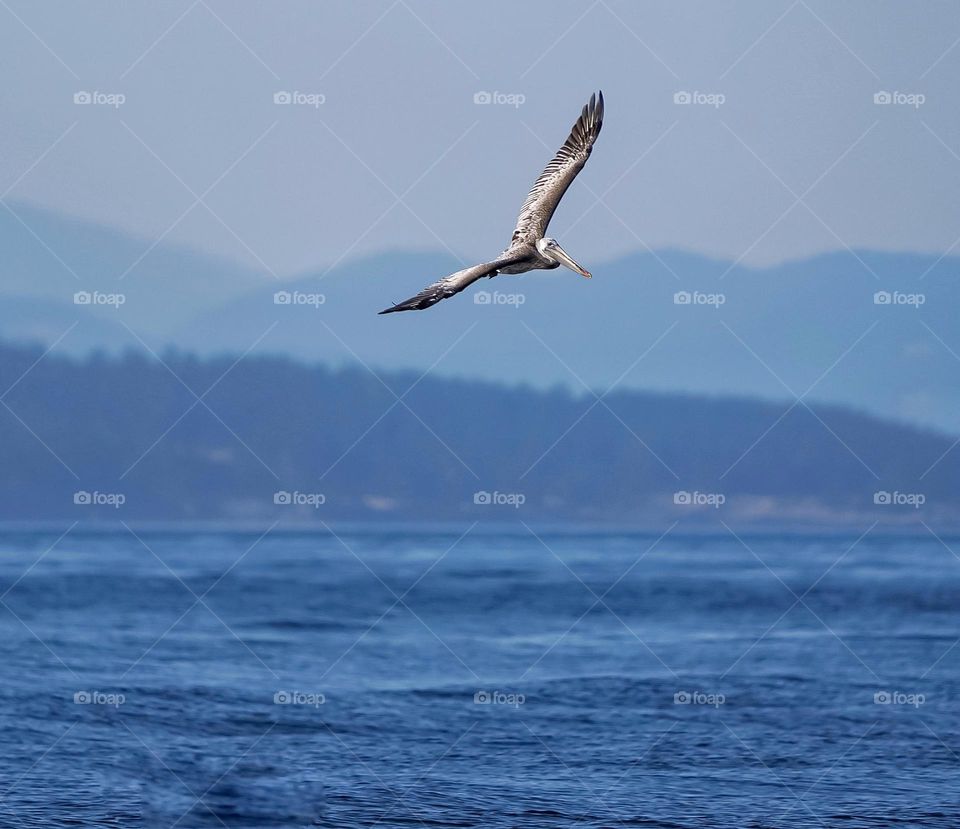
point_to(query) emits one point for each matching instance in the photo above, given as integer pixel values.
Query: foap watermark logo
(696, 98)
(699, 499)
(899, 298)
(99, 298)
(98, 698)
(499, 499)
(313, 699)
(297, 98)
(98, 98)
(698, 698)
(299, 499)
(299, 298)
(699, 298)
(499, 698)
(495, 98)
(899, 499)
(896, 98)
(83, 498)
(898, 698)
(498, 298)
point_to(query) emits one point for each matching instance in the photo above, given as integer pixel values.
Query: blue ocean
(491, 677)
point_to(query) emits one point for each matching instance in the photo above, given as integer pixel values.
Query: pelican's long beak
(565, 259)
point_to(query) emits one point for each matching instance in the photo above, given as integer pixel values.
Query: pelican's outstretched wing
(547, 191)
(450, 285)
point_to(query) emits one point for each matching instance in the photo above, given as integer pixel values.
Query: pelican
(529, 248)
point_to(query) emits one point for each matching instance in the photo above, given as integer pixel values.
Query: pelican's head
(550, 248)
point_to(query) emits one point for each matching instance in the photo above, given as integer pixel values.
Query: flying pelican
(529, 249)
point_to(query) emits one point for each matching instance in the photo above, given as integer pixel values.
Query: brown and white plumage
(529, 249)
(450, 285)
(548, 189)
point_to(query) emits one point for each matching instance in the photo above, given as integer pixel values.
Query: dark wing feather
(450, 285)
(547, 191)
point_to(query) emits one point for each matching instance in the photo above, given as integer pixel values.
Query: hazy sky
(385, 147)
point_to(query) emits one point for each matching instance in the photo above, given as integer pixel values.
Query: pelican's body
(530, 249)
(535, 257)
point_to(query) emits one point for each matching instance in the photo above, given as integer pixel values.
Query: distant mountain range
(867, 330)
(263, 438)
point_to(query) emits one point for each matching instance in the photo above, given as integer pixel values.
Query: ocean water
(374, 677)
